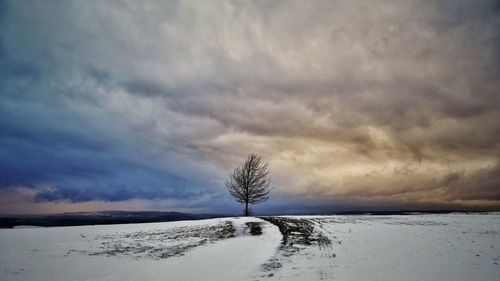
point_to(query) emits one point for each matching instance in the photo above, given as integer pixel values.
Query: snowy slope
(69, 253)
(418, 247)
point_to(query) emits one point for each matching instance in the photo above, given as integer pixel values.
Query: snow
(431, 247)
(413, 247)
(42, 254)
(416, 247)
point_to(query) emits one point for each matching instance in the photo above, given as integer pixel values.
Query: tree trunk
(246, 209)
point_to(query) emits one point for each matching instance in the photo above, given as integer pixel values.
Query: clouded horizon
(148, 105)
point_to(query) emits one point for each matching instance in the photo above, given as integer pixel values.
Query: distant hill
(101, 217)
(123, 217)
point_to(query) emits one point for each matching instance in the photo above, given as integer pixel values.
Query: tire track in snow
(299, 236)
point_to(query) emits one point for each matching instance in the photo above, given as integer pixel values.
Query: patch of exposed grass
(159, 244)
(255, 228)
(298, 231)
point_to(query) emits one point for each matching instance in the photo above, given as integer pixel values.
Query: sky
(149, 105)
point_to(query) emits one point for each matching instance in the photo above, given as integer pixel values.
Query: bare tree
(250, 183)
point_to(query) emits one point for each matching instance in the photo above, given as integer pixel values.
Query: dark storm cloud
(393, 102)
(482, 185)
(71, 163)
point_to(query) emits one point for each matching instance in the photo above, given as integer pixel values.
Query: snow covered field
(417, 247)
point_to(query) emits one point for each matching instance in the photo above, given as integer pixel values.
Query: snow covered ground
(417, 247)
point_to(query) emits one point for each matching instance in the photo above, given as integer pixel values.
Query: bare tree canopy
(250, 183)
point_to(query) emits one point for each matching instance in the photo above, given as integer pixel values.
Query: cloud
(394, 103)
